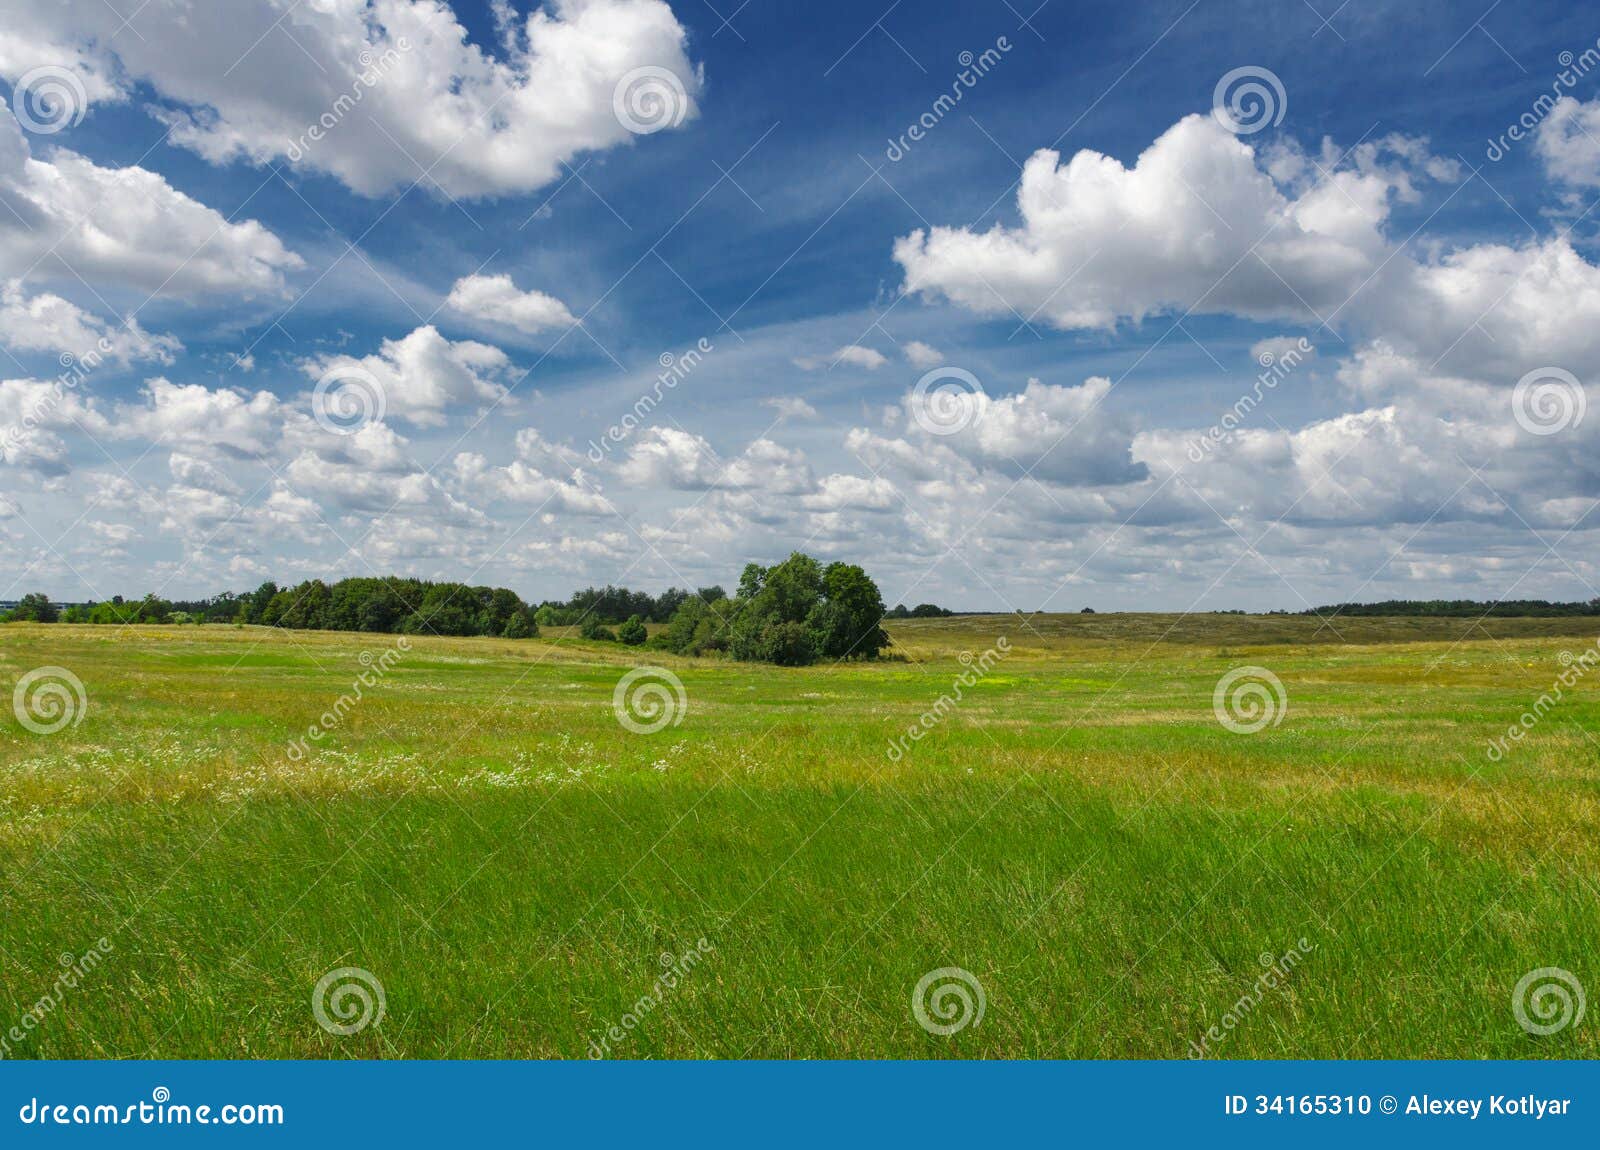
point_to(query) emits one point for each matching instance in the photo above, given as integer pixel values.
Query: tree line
(793, 613)
(1505, 608)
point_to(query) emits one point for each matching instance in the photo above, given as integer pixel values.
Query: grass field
(1079, 833)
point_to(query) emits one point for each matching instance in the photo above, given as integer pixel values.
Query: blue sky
(1101, 328)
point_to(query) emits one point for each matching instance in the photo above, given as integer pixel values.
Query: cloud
(376, 94)
(665, 457)
(853, 354)
(790, 407)
(204, 422)
(371, 471)
(1062, 434)
(200, 473)
(1568, 142)
(517, 482)
(1275, 348)
(46, 322)
(495, 299)
(32, 412)
(919, 354)
(1195, 224)
(68, 218)
(851, 492)
(423, 375)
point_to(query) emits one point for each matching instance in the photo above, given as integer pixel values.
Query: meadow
(1110, 866)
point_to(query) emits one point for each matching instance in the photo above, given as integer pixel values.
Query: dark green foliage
(633, 633)
(1506, 608)
(390, 605)
(611, 604)
(920, 611)
(33, 608)
(520, 626)
(592, 628)
(792, 614)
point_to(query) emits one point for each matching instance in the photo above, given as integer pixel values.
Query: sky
(1168, 306)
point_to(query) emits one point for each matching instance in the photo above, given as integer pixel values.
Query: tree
(750, 580)
(153, 610)
(520, 626)
(593, 629)
(35, 608)
(633, 632)
(446, 609)
(848, 627)
(791, 614)
(258, 600)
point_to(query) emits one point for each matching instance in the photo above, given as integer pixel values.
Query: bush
(520, 626)
(633, 632)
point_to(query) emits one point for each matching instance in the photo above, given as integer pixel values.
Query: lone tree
(791, 614)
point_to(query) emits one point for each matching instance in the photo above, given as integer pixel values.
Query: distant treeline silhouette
(1468, 608)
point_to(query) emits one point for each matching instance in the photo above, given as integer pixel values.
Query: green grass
(1080, 833)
